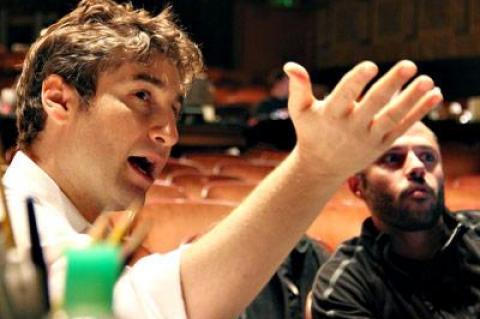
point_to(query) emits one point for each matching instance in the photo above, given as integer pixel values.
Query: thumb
(300, 95)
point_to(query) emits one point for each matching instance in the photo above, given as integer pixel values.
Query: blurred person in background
(270, 124)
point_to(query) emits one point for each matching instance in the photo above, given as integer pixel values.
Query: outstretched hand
(344, 133)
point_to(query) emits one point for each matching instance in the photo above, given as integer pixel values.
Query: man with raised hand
(98, 99)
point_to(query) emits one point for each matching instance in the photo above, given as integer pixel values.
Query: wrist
(312, 167)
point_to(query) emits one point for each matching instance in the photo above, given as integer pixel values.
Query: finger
(342, 99)
(392, 114)
(99, 228)
(136, 239)
(124, 223)
(384, 89)
(300, 96)
(429, 101)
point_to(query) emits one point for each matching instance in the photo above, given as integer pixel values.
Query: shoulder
(469, 218)
(348, 265)
(314, 249)
(151, 288)
(342, 286)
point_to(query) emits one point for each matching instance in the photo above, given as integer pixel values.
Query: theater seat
(209, 160)
(245, 171)
(185, 166)
(193, 183)
(234, 191)
(159, 191)
(468, 183)
(266, 154)
(463, 192)
(175, 222)
(338, 222)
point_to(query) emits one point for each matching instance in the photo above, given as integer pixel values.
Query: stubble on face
(404, 213)
(131, 102)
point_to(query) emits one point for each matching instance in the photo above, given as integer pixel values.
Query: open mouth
(142, 165)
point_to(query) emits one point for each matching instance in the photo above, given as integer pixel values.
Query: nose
(165, 132)
(414, 167)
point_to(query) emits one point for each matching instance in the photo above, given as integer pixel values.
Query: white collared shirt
(149, 289)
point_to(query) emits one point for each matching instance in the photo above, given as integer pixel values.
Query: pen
(134, 241)
(37, 254)
(126, 220)
(99, 228)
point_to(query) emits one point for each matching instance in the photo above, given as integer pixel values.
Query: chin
(419, 218)
(419, 208)
(414, 226)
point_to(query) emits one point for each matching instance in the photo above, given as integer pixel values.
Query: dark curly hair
(96, 36)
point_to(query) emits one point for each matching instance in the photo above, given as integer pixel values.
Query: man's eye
(392, 159)
(428, 157)
(177, 111)
(143, 95)
(177, 114)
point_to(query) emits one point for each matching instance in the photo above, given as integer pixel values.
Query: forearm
(222, 272)
(229, 265)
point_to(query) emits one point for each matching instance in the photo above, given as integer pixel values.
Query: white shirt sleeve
(151, 289)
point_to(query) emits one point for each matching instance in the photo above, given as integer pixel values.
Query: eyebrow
(420, 146)
(150, 79)
(396, 148)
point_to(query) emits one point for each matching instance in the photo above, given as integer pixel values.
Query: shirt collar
(26, 176)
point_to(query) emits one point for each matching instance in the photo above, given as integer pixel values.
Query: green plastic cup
(91, 275)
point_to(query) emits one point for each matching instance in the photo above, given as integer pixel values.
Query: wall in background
(330, 36)
(327, 36)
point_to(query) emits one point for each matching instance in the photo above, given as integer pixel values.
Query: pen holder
(91, 275)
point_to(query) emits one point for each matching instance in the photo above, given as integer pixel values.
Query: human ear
(355, 183)
(59, 99)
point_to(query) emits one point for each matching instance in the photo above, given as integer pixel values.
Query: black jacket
(365, 279)
(285, 294)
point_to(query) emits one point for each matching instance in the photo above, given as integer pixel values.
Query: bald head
(419, 130)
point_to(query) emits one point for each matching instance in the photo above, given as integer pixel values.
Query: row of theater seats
(198, 190)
